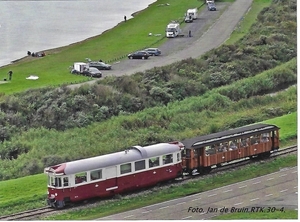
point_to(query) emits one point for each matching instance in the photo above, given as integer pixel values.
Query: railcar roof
(205, 140)
(129, 155)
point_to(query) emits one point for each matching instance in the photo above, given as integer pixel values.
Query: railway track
(33, 214)
(27, 214)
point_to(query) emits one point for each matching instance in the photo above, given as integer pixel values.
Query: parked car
(88, 71)
(153, 51)
(211, 6)
(99, 65)
(92, 72)
(139, 55)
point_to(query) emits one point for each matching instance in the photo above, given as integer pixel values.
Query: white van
(173, 30)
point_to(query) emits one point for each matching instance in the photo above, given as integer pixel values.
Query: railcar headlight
(56, 194)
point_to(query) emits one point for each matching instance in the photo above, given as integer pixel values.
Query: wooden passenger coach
(203, 152)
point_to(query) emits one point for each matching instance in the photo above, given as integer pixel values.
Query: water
(39, 25)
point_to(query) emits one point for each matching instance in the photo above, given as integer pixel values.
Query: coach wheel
(206, 170)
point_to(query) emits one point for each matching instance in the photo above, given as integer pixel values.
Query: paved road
(220, 25)
(273, 191)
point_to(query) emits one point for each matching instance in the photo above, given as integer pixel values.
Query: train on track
(138, 167)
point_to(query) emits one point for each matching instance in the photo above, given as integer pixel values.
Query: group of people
(37, 54)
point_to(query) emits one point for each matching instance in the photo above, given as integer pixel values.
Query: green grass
(288, 126)
(30, 192)
(112, 45)
(248, 20)
(278, 215)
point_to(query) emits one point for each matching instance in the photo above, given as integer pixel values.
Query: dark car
(91, 71)
(211, 6)
(153, 51)
(100, 65)
(139, 55)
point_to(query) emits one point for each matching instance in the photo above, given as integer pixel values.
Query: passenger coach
(114, 173)
(203, 152)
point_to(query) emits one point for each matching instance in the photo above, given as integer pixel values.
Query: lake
(40, 25)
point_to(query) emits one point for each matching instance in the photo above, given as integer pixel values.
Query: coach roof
(133, 154)
(219, 137)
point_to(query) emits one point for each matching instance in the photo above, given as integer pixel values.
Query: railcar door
(111, 182)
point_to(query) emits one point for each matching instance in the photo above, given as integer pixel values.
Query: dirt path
(221, 24)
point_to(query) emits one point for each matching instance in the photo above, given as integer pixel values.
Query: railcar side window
(96, 175)
(153, 162)
(140, 165)
(125, 168)
(167, 158)
(80, 177)
(66, 181)
(178, 157)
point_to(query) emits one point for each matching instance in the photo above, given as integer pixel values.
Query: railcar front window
(57, 182)
(66, 181)
(178, 157)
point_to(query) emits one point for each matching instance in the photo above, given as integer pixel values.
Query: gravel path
(209, 31)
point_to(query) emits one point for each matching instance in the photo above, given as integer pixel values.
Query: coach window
(80, 177)
(244, 142)
(265, 137)
(96, 175)
(167, 158)
(125, 168)
(139, 165)
(153, 162)
(233, 145)
(178, 157)
(254, 139)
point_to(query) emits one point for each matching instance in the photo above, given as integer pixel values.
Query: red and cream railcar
(114, 173)
(203, 152)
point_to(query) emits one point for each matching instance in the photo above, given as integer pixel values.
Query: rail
(27, 214)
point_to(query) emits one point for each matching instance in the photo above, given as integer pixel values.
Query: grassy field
(30, 192)
(53, 69)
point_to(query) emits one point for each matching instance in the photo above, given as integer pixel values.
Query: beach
(37, 26)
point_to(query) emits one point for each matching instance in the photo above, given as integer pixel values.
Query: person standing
(125, 18)
(10, 75)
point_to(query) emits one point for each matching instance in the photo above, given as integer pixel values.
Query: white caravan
(193, 13)
(173, 30)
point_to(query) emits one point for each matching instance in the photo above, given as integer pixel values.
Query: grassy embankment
(110, 46)
(30, 192)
